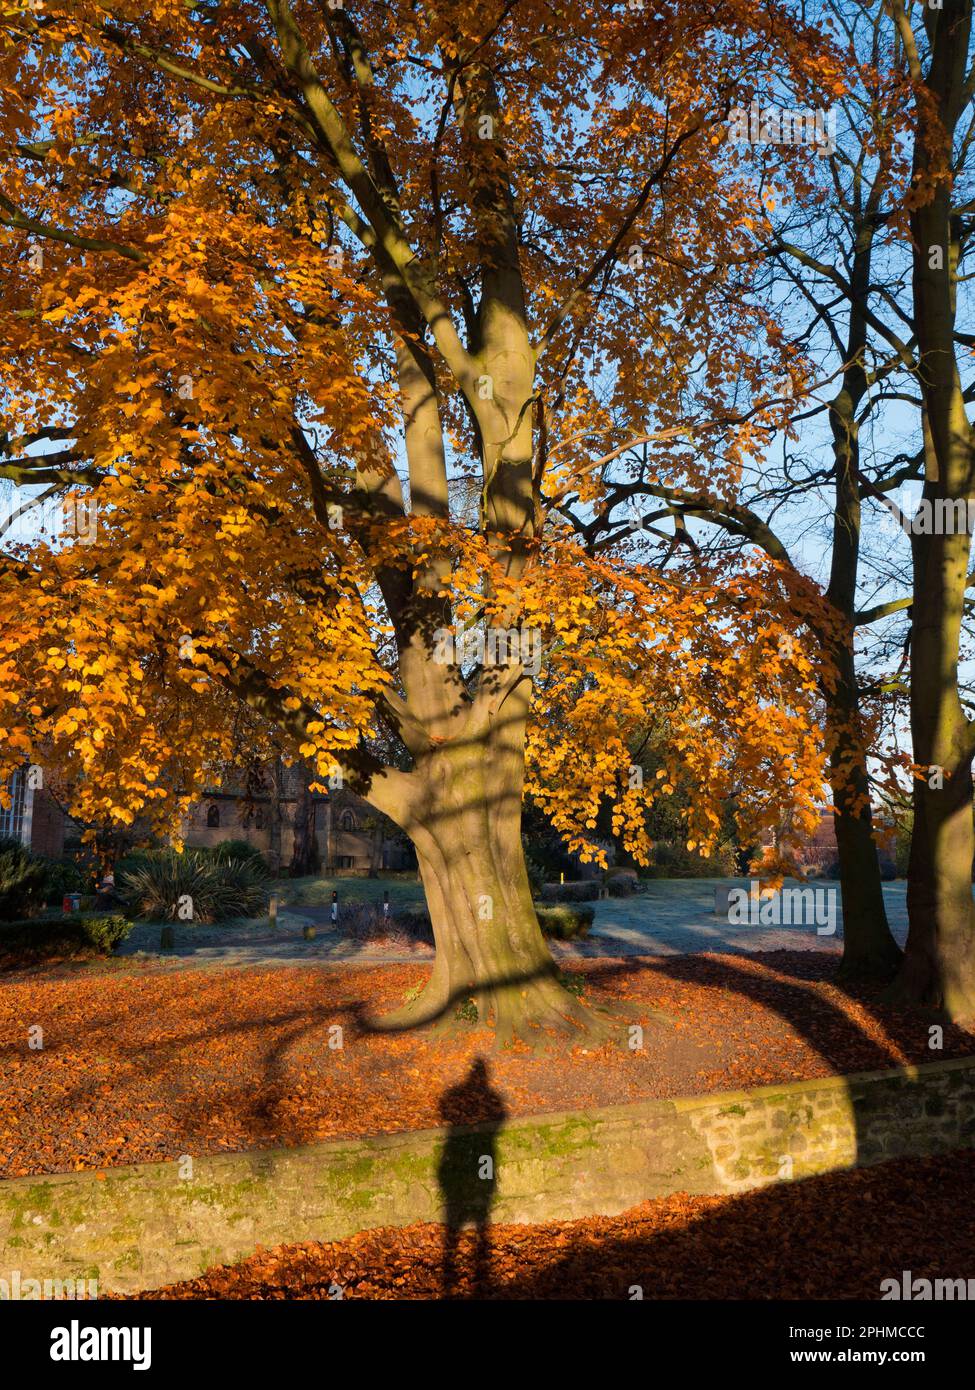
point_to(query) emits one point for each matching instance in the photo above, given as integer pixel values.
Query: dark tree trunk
(305, 858)
(939, 963)
(274, 828)
(869, 949)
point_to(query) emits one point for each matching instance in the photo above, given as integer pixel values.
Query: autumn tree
(278, 276)
(826, 219)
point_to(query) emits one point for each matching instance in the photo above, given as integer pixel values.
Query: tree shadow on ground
(284, 1044)
(788, 983)
(835, 1236)
(812, 1225)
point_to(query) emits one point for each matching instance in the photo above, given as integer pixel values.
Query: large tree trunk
(939, 964)
(376, 848)
(464, 818)
(869, 949)
(461, 801)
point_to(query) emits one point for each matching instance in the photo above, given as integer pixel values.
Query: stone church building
(352, 836)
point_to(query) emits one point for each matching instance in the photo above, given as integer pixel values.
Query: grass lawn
(317, 892)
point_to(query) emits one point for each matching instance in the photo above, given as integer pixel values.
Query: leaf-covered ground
(144, 1063)
(830, 1237)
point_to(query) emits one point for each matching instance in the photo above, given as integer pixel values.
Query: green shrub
(415, 922)
(63, 876)
(622, 886)
(677, 861)
(59, 935)
(137, 859)
(584, 892)
(238, 849)
(21, 881)
(195, 887)
(572, 982)
(104, 932)
(565, 921)
(466, 1010)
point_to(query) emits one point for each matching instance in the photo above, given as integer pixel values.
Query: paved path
(246, 943)
(669, 917)
(677, 917)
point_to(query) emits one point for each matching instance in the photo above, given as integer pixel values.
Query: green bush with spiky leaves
(194, 887)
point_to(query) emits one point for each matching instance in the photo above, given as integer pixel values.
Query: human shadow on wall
(467, 1173)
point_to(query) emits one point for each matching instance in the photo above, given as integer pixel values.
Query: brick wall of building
(47, 825)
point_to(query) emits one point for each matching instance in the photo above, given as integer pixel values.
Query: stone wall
(143, 1226)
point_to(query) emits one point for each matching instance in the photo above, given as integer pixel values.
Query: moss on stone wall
(143, 1226)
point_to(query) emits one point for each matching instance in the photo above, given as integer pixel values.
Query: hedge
(576, 891)
(48, 934)
(363, 921)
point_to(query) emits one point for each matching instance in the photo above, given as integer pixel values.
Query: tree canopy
(336, 311)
